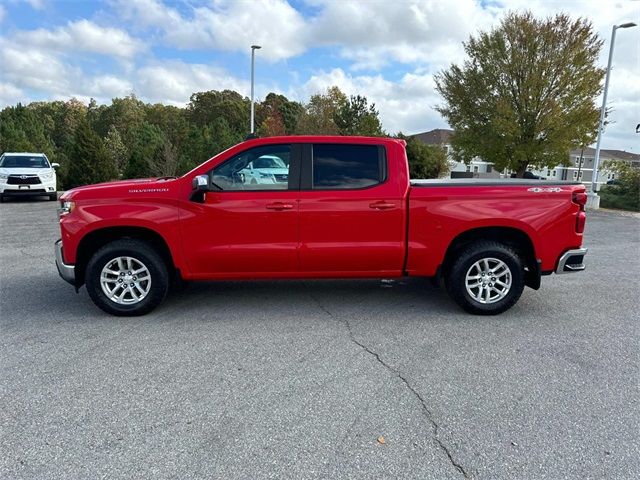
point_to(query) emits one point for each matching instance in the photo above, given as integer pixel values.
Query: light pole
(596, 160)
(253, 58)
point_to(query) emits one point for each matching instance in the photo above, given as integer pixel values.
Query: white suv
(27, 174)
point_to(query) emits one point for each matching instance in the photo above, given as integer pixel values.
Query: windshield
(23, 161)
(268, 162)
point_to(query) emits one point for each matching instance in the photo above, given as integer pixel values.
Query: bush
(611, 196)
(425, 161)
(625, 195)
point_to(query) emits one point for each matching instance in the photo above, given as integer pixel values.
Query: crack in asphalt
(429, 414)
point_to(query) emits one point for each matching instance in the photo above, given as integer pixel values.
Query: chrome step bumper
(67, 272)
(572, 261)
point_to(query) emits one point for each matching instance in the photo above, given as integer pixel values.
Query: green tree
(116, 149)
(88, 159)
(23, 130)
(425, 161)
(205, 107)
(356, 117)
(146, 152)
(526, 94)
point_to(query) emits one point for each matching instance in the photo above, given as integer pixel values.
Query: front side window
(260, 168)
(342, 166)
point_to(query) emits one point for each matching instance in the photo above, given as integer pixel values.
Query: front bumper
(571, 261)
(67, 272)
(44, 188)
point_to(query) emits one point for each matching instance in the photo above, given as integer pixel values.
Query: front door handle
(279, 206)
(382, 205)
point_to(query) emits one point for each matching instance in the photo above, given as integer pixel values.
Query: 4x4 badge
(545, 189)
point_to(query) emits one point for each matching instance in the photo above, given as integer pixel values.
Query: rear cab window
(347, 166)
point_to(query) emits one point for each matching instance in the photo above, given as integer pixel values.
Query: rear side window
(340, 167)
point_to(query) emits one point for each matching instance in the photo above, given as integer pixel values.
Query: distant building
(575, 170)
(580, 167)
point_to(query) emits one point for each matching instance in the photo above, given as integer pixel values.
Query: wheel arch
(100, 237)
(510, 236)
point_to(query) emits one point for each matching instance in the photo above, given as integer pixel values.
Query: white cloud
(229, 25)
(34, 69)
(405, 105)
(82, 36)
(36, 4)
(414, 32)
(174, 82)
(10, 94)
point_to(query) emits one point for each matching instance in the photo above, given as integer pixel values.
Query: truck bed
(486, 182)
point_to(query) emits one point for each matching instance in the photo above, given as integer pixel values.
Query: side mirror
(200, 183)
(55, 165)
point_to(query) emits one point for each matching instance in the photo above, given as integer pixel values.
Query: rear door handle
(279, 206)
(382, 205)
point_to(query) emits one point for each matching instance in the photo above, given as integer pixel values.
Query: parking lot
(319, 379)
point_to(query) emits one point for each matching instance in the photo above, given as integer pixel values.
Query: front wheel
(53, 197)
(127, 278)
(487, 278)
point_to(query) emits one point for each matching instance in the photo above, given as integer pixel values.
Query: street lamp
(596, 160)
(253, 55)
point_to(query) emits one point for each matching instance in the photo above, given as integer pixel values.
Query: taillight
(580, 221)
(580, 198)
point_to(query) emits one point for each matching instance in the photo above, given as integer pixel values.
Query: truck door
(352, 213)
(248, 225)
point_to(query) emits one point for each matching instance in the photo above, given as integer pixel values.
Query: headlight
(4, 176)
(65, 208)
(47, 175)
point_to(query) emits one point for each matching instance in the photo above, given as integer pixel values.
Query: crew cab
(347, 210)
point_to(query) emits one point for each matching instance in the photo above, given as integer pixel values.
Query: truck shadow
(334, 297)
(47, 297)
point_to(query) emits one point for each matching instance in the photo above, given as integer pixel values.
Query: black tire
(140, 251)
(455, 279)
(1, 198)
(53, 197)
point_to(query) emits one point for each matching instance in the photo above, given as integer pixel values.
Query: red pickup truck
(317, 207)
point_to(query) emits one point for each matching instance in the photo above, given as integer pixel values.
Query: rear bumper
(571, 261)
(67, 272)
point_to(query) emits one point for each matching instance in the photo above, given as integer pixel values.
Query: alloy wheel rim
(488, 280)
(125, 280)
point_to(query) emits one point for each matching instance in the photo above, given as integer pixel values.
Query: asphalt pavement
(319, 379)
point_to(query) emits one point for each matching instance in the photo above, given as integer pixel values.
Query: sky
(163, 51)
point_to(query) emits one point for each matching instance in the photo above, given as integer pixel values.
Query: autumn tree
(526, 93)
(319, 116)
(277, 115)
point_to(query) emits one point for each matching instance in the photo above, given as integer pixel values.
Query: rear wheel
(487, 278)
(127, 278)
